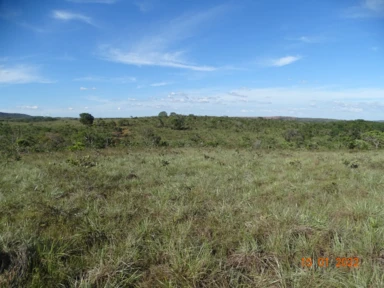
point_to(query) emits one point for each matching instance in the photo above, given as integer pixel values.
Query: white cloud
(85, 88)
(283, 61)
(350, 106)
(120, 80)
(160, 84)
(156, 48)
(20, 75)
(68, 16)
(366, 9)
(305, 39)
(93, 1)
(144, 5)
(35, 107)
(311, 39)
(374, 5)
(152, 59)
(98, 99)
(329, 102)
(70, 108)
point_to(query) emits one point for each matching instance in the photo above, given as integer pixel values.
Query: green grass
(191, 217)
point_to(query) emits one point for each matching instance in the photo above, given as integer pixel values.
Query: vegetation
(86, 119)
(222, 202)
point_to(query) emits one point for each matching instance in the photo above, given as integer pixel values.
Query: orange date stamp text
(351, 262)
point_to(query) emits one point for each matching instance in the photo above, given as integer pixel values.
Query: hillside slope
(13, 115)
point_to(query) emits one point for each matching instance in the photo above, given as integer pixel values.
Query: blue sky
(122, 58)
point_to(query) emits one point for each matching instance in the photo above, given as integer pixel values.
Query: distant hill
(14, 115)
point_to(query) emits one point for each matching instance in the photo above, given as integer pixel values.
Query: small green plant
(78, 146)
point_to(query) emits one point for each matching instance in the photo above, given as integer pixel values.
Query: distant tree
(163, 114)
(86, 119)
(173, 114)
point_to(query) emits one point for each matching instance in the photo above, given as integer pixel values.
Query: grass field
(191, 217)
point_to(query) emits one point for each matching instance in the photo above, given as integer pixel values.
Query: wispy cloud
(283, 61)
(27, 107)
(120, 80)
(366, 9)
(311, 39)
(152, 59)
(93, 1)
(69, 16)
(374, 5)
(21, 75)
(32, 27)
(160, 84)
(14, 16)
(85, 88)
(144, 5)
(156, 48)
(98, 99)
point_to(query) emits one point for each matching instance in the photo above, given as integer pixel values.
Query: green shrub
(178, 123)
(123, 122)
(78, 146)
(24, 142)
(361, 144)
(151, 139)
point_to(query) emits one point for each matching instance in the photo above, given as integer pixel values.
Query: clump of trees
(86, 119)
(175, 130)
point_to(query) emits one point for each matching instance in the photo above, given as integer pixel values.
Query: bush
(196, 139)
(361, 145)
(178, 123)
(53, 141)
(77, 146)
(123, 122)
(23, 143)
(150, 138)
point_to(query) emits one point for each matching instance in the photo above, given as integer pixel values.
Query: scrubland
(158, 215)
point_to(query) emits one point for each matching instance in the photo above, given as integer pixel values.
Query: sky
(123, 58)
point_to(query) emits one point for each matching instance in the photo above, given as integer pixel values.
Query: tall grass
(191, 217)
